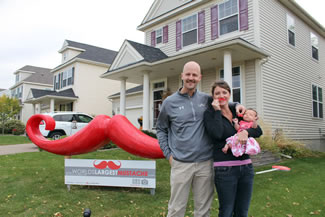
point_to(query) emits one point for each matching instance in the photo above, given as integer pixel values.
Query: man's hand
(170, 160)
(240, 110)
(242, 137)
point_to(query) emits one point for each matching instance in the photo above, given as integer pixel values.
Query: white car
(66, 124)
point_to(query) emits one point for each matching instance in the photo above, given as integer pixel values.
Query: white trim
(74, 60)
(197, 28)
(317, 101)
(256, 23)
(152, 89)
(72, 48)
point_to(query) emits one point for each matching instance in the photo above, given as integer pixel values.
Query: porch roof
(208, 56)
(40, 96)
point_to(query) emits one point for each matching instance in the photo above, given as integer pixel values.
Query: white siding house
(271, 52)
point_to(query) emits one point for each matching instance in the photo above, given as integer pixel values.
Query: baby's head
(250, 115)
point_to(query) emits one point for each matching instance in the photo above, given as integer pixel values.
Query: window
(291, 30)
(189, 30)
(64, 80)
(236, 90)
(158, 91)
(317, 93)
(66, 118)
(314, 45)
(20, 92)
(84, 118)
(69, 72)
(159, 36)
(17, 78)
(228, 16)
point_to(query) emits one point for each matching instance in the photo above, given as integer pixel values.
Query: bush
(150, 133)
(109, 146)
(15, 127)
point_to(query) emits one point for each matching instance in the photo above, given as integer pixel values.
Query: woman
(233, 175)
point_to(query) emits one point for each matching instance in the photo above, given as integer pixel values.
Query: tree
(9, 107)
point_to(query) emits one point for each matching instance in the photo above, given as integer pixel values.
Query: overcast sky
(32, 31)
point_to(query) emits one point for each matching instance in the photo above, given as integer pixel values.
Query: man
(184, 142)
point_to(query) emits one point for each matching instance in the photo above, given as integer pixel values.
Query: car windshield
(84, 118)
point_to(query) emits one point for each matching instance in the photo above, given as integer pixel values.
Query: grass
(32, 184)
(12, 140)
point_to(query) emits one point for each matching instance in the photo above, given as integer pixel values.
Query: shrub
(150, 133)
(109, 146)
(15, 127)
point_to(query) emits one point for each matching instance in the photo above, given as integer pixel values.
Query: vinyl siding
(249, 84)
(170, 47)
(289, 73)
(208, 77)
(173, 83)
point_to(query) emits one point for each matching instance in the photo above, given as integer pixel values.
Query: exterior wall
(170, 47)
(133, 107)
(27, 109)
(173, 83)
(93, 90)
(70, 54)
(289, 73)
(249, 85)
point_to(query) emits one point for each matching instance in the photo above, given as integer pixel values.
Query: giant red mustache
(96, 134)
(109, 164)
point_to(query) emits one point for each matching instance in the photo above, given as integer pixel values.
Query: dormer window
(65, 56)
(17, 78)
(189, 30)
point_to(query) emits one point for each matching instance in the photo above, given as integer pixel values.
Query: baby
(251, 147)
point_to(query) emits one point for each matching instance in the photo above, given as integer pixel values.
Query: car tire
(56, 135)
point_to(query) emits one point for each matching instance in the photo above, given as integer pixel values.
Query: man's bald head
(192, 65)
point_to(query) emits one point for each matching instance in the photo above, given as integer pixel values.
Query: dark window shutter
(72, 76)
(61, 75)
(214, 22)
(165, 34)
(54, 82)
(243, 14)
(153, 38)
(201, 27)
(178, 35)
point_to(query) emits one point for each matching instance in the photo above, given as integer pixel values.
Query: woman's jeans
(234, 186)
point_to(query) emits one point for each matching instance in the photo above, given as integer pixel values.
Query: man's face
(191, 76)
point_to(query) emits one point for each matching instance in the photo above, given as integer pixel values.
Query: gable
(126, 55)
(160, 7)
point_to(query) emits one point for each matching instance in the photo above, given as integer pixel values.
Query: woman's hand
(240, 110)
(216, 105)
(242, 137)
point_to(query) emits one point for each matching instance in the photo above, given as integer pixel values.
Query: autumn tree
(8, 108)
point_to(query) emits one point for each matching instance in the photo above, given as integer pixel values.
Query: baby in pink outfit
(251, 147)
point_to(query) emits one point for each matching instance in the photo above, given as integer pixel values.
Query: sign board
(119, 173)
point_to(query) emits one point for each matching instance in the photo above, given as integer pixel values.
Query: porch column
(227, 69)
(52, 105)
(34, 109)
(146, 101)
(122, 95)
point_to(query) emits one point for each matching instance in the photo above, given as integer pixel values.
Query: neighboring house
(27, 78)
(4, 92)
(77, 83)
(271, 52)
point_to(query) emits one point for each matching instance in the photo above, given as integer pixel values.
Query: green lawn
(12, 140)
(32, 184)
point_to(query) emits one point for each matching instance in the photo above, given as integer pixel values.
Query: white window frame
(291, 28)
(152, 96)
(240, 81)
(160, 35)
(314, 44)
(189, 30)
(227, 17)
(317, 101)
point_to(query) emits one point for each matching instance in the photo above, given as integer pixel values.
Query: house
(272, 53)
(77, 85)
(27, 78)
(4, 92)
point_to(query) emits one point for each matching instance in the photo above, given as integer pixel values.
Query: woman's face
(222, 95)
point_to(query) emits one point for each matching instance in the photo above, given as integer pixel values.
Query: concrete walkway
(20, 148)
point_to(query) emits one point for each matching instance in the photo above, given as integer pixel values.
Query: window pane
(159, 40)
(159, 85)
(320, 110)
(314, 40)
(190, 37)
(320, 94)
(315, 53)
(314, 92)
(189, 23)
(157, 95)
(84, 119)
(291, 38)
(315, 112)
(229, 25)
(236, 95)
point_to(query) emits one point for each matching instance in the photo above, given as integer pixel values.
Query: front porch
(236, 61)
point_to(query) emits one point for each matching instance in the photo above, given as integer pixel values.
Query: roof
(41, 75)
(129, 91)
(93, 53)
(37, 93)
(2, 89)
(150, 54)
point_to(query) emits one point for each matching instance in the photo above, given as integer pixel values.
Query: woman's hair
(220, 83)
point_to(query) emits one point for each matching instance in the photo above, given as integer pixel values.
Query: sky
(32, 31)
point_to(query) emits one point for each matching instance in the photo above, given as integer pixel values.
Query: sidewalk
(20, 148)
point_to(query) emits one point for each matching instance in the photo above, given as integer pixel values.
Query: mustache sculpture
(100, 131)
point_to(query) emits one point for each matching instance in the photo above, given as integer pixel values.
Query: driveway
(20, 148)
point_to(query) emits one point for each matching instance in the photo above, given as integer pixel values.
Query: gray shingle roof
(93, 53)
(34, 69)
(131, 90)
(150, 54)
(41, 75)
(37, 93)
(2, 89)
